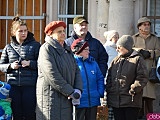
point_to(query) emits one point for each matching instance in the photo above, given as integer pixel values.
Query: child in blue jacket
(5, 101)
(93, 81)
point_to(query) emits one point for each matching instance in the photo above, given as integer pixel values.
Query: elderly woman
(110, 45)
(93, 81)
(126, 79)
(58, 77)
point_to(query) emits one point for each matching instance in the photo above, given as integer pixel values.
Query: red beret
(79, 45)
(53, 25)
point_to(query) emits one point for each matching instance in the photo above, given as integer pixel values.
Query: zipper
(87, 84)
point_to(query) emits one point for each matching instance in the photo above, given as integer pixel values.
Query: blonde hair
(16, 23)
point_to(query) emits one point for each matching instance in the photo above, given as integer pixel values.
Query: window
(68, 9)
(153, 13)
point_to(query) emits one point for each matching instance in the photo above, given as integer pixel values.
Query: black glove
(76, 97)
(145, 54)
(158, 70)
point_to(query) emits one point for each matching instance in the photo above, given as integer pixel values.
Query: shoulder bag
(152, 73)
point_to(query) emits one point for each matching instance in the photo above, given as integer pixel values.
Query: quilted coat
(58, 76)
(24, 76)
(93, 82)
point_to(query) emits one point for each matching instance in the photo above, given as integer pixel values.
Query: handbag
(152, 73)
(158, 69)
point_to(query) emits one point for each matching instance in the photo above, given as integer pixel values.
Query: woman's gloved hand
(145, 53)
(76, 95)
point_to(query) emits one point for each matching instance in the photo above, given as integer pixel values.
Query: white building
(121, 15)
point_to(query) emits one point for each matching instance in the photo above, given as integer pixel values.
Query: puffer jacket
(110, 48)
(96, 50)
(124, 72)
(93, 82)
(58, 76)
(29, 50)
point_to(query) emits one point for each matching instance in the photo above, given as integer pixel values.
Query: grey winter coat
(58, 76)
(124, 72)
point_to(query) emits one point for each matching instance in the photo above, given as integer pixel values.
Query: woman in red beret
(59, 76)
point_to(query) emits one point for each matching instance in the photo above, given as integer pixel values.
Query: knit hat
(4, 90)
(53, 25)
(79, 45)
(125, 41)
(79, 20)
(142, 20)
(109, 34)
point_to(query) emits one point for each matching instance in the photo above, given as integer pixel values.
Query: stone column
(52, 10)
(102, 19)
(92, 16)
(121, 16)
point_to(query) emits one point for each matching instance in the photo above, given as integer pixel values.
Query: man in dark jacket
(97, 50)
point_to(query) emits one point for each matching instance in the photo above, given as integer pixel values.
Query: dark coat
(96, 50)
(58, 76)
(29, 50)
(122, 74)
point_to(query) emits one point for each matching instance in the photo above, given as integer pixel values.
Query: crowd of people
(65, 79)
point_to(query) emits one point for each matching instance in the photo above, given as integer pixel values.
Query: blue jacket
(96, 50)
(93, 82)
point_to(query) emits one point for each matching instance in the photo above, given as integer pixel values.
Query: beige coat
(151, 43)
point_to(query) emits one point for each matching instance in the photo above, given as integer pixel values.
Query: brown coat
(151, 43)
(121, 75)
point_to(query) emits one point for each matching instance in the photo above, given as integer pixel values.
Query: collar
(56, 45)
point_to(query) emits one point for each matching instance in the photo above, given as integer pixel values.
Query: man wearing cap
(97, 50)
(147, 44)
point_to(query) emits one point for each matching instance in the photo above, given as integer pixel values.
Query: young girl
(19, 61)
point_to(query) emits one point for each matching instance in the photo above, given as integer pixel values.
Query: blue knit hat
(4, 90)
